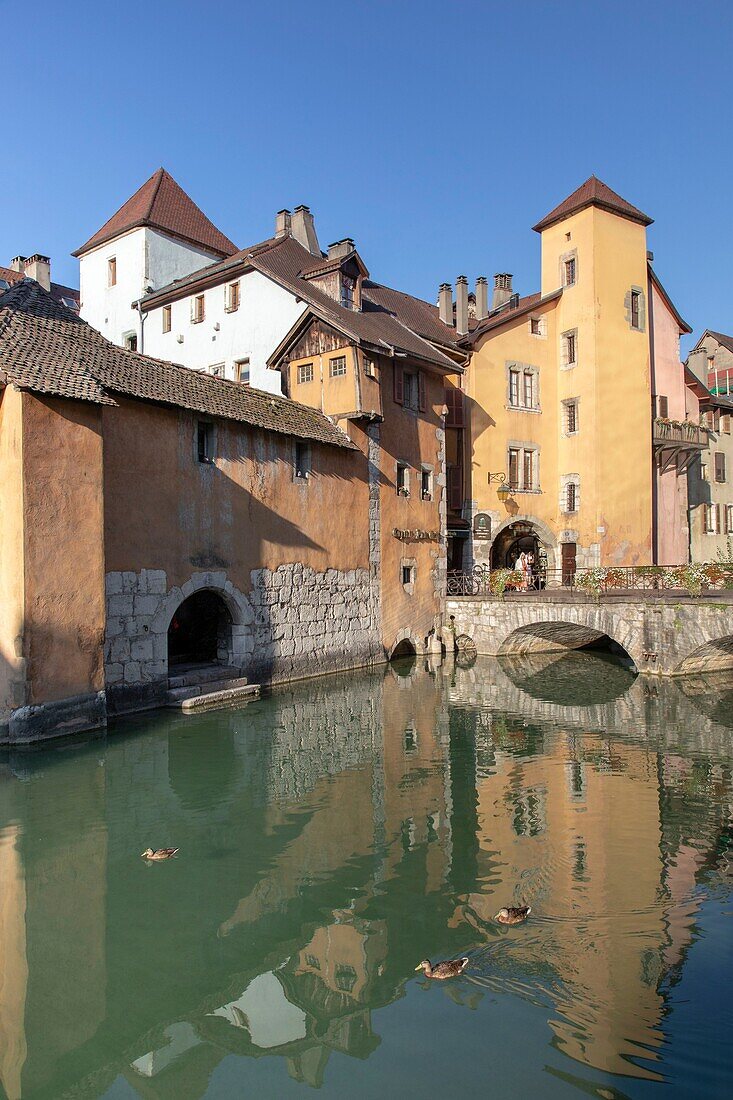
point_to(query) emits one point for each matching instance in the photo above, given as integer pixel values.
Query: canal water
(335, 834)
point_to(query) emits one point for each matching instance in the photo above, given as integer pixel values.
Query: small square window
(130, 341)
(569, 270)
(217, 370)
(571, 417)
(197, 309)
(663, 407)
(232, 302)
(347, 292)
(407, 575)
(305, 372)
(535, 326)
(338, 367)
(241, 367)
(112, 271)
(403, 480)
(370, 368)
(426, 484)
(205, 441)
(167, 318)
(302, 463)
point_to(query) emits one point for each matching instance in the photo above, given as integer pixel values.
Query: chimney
(482, 298)
(461, 305)
(698, 363)
(39, 268)
(18, 264)
(304, 230)
(445, 303)
(502, 290)
(282, 223)
(340, 248)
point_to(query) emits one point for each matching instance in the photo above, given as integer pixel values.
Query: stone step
(178, 695)
(216, 700)
(195, 676)
(175, 696)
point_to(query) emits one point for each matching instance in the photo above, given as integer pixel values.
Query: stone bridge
(669, 635)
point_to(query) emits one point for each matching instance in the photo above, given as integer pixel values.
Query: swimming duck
(443, 970)
(159, 853)
(513, 914)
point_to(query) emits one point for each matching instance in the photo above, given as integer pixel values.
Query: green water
(334, 835)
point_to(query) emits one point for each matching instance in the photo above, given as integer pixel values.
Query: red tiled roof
(48, 349)
(504, 314)
(593, 193)
(161, 204)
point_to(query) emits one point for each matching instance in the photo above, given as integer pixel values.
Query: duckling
(513, 914)
(443, 970)
(159, 853)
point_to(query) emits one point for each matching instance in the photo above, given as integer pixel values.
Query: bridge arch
(715, 655)
(556, 635)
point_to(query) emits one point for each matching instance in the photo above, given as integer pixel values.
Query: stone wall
(670, 636)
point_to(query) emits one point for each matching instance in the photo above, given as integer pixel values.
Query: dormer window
(348, 286)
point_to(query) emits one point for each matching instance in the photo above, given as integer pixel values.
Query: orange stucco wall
(244, 511)
(63, 548)
(12, 676)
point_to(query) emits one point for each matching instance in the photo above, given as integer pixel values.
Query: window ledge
(197, 320)
(231, 309)
(523, 408)
(534, 492)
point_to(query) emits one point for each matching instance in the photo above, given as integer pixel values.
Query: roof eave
(546, 222)
(143, 223)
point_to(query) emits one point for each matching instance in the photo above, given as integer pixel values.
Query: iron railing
(611, 580)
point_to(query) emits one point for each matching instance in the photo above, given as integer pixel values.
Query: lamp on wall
(504, 490)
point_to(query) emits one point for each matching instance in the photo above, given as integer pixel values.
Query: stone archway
(234, 639)
(199, 632)
(514, 533)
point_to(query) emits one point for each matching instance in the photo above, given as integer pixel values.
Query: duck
(159, 853)
(513, 914)
(443, 970)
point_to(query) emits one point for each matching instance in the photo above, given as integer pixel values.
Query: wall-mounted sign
(415, 535)
(482, 526)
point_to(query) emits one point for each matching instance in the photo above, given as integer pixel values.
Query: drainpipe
(141, 349)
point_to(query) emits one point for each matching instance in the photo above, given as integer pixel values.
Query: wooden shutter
(454, 404)
(717, 519)
(719, 466)
(422, 401)
(455, 488)
(399, 384)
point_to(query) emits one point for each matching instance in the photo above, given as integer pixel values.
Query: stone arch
(239, 641)
(543, 532)
(715, 655)
(544, 632)
(405, 644)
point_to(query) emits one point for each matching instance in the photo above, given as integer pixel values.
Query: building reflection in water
(333, 835)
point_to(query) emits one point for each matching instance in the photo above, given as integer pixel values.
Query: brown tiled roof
(161, 204)
(58, 291)
(495, 320)
(421, 316)
(47, 348)
(726, 341)
(593, 193)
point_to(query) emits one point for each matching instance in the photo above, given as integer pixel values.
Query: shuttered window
(399, 384)
(719, 466)
(454, 405)
(455, 488)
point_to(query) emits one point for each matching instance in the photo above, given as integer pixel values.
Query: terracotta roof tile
(162, 204)
(47, 348)
(58, 291)
(593, 193)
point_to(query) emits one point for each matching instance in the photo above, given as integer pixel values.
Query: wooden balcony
(676, 444)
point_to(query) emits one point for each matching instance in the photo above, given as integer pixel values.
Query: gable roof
(162, 204)
(726, 341)
(58, 290)
(593, 192)
(48, 349)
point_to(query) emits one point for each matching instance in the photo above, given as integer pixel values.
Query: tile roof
(162, 204)
(593, 193)
(495, 320)
(58, 291)
(47, 348)
(726, 341)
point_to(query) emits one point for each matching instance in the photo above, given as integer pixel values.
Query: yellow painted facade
(608, 457)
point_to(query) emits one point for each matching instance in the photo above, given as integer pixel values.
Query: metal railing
(669, 431)
(611, 580)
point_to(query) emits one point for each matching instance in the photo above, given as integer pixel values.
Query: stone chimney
(461, 305)
(303, 229)
(340, 248)
(39, 268)
(502, 290)
(18, 264)
(699, 364)
(482, 298)
(445, 303)
(282, 223)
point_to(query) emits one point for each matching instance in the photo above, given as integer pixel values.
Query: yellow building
(560, 391)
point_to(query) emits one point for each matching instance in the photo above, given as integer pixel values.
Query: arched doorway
(515, 538)
(200, 631)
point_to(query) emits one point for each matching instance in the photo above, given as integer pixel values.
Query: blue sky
(435, 134)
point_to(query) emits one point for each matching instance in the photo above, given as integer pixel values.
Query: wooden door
(568, 562)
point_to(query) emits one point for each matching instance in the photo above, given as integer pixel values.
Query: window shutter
(455, 488)
(399, 384)
(717, 519)
(454, 404)
(422, 401)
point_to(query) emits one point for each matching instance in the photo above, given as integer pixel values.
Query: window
(514, 387)
(112, 271)
(232, 302)
(712, 519)
(704, 471)
(635, 309)
(403, 480)
(513, 468)
(569, 272)
(729, 519)
(338, 367)
(719, 466)
(197, 309)
(347, 292)
(217, 370)
(571, 416)
(410, 391)
(725, 423)
(305, 372)
(535, 326)
(241, 367)
(205, 441)
(70, 303)
(130, 341)
(528, 470)
(663, 407)
(569, 348)
(571, 504)
(302, 463)
(528, 390)
(426, 484)
(370, 368)
(407, 575)
(167, 318)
